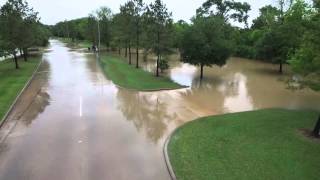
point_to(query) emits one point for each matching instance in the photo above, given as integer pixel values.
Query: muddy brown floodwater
(74, 123)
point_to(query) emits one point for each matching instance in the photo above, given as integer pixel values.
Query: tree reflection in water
(147, 112)
(37, 95)
(37, 107)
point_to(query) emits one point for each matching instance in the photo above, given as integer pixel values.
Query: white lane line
(80, 107)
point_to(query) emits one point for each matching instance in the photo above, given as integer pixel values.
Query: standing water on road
(73, 123)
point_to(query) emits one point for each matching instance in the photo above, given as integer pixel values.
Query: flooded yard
(240, 85)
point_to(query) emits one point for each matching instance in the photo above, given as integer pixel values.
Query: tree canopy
(20, 29)
(207, 42)
(280, 33)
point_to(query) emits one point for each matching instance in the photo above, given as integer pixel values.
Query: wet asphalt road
(73, 123)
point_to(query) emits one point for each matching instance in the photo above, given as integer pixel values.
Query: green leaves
(159, 24)
(306, 59)
(20, 28)
(207, 42)
(226, 9)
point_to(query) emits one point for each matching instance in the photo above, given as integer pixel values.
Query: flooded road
(74, 123)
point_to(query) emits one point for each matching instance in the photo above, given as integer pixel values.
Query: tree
(241, 12)
(104, 15)
(147, 35)
(316, 130)
(77, 29)
(2, 42)
(72, 30)
(92, 30)
(127, 25)
(179, 28)
(255, 43)
(28, 30)
(42, 35)
(226, 9)
(117, 32)
(20, 28)
(280, 31)
(291, 28)
(160, 21)
(306, 59)
(163, 65)
(267, 19)
(2, 52)
(11, 18)
(137, 12)
(207, 42)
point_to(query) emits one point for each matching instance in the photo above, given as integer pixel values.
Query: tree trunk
(16, 60)
(119, 47)
(137, 60)
(158, 53)
(25, 54)
(281, 67)
(137, 48)
(316, 130)
(126, 53)
(21, 52)
(158, 60)
(201, 73)
(130, 54)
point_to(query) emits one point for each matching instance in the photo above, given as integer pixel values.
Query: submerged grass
(128, 76)
(264, 144)
(13, 80)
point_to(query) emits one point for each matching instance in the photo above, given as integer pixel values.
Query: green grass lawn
(76, 43)
(84, 44)
(12, 81)
(129, 77)
(264, 144)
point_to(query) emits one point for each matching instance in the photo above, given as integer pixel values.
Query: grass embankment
(265, 144)
(12, 81)
(129, 77)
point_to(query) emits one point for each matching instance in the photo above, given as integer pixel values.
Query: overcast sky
(53, 11)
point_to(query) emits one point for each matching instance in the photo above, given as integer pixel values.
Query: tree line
(280, 34)
(20, 30)
(287, 32)
(136, 27)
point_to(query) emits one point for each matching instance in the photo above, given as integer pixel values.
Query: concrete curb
(165, 150)
(3, 120)
(167, 158)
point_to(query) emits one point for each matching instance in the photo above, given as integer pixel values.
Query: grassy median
(128, 76)
(13, 80)
(264, 144)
